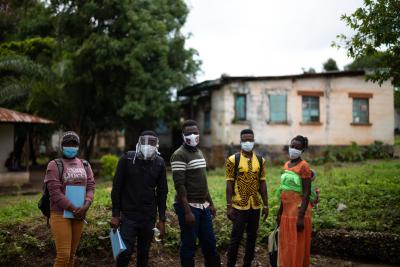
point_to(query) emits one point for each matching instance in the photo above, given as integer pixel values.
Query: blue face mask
(70, 152)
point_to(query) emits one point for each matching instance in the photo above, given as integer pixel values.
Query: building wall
(6, 144)
(335, 112)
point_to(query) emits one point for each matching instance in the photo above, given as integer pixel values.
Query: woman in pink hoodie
(69, 170)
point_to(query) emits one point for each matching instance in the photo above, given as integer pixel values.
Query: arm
(306, 187)
(54, 186)
(230, 187)
(80, 213)
(162, 191)
(264, 191)
(178, 166)
(116, 193)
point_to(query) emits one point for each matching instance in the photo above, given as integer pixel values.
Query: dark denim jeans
(244, 220)
(203, 230)
(132, 231)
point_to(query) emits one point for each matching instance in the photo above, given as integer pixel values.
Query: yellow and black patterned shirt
(247, 184)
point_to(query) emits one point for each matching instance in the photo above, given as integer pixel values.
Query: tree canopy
(377, 32)
(114, 62)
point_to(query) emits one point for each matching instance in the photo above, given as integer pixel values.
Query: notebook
(117, 243)
(76, 195)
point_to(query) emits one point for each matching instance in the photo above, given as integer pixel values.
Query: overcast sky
(266, 37)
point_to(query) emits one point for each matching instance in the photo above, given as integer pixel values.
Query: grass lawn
(370, 190)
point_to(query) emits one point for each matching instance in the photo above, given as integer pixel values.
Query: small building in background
(331, 108)
(15, 173)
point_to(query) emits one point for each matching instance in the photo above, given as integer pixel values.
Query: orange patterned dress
(294, 247)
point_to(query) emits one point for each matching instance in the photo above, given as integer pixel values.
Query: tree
(310, 70)
(368, 63)
(377, 31)
(126, 57)
(115, 63)
(330, 65)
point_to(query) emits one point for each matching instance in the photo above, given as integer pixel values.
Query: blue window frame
(310, 109)
(278, 108)
(207, 121)
(240, 107)
(360, 110)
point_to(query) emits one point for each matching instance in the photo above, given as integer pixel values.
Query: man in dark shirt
(193, 204)
(139, 190)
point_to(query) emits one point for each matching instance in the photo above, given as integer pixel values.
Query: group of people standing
(140, 191)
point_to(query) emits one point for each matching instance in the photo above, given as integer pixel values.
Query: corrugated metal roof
(200, 88)
(12, 116)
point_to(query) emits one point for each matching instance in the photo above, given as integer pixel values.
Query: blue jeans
(203, 229)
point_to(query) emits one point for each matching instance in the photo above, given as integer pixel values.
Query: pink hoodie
(74, 174)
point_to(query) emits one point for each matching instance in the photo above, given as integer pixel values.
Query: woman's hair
(303, 140)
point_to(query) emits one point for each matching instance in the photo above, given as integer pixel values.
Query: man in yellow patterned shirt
(246, 195)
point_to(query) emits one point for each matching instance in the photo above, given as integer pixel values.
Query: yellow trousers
(66, 234)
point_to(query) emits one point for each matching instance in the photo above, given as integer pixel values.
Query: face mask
(247, 146)
(70, 152)
(294, 153)
(148, 151)
(191, 140)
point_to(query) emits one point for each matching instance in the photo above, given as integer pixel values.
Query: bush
(376, 151)
(108, 165)
(350, 153)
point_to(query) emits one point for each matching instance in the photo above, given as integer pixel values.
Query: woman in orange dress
(294, 216)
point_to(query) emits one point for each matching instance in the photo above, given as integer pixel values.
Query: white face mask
(191, 140)
(294, 153)
(247, 146)
(148, 151)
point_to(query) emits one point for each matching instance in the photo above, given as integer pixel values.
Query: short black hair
(149, 132)
(189, 123)
(303, 140)
(246, 131)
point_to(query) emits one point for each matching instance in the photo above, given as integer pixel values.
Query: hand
(300, 223)
(213, 211)
(80, 213)
(265, 213)
(115, 222)
(161, 226)
(189, 218)
(231, 213)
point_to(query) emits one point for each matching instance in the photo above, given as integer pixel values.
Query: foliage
(376, 31)
(111, 64)
(370, 62)
(370, 190)
(108, 166)
(330, 65)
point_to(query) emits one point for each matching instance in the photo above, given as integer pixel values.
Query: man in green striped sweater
(193, 203)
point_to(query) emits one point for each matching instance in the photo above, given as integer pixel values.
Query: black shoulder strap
(60, 167)
(237, 160)
(85, 165)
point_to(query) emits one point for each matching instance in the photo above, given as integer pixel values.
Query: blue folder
(117, 243)
(76, 195)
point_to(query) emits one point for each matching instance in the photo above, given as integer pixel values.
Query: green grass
(397, 140)
(371, 191)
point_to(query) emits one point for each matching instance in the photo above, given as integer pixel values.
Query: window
(360, 111)
(240, 107)
(207, 121)
(310, 109)
(277, 108)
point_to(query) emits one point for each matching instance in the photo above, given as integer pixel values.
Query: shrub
(350, 153)
(376, 151)
(108, 165)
